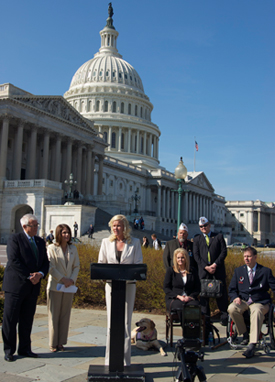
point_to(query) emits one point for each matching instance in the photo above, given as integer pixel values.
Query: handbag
(211, 287)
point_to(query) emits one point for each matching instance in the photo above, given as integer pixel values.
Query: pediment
(58, 107)
(199, 179)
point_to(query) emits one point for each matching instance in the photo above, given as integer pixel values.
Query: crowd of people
(186, 262)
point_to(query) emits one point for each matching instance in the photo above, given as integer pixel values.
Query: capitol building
(101, 137)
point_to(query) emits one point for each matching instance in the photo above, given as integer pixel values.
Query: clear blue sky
(207, 66)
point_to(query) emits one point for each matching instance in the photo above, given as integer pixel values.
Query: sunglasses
(204, 226)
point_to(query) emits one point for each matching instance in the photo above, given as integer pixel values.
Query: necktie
(208, 254)
(250, 275)
(34, 248)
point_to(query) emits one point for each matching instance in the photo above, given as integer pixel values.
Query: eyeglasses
(204, 226)
(33, 225)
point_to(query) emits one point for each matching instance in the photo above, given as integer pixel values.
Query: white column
(150, 145)
(173, 205)
(32, 154)
(148, 201)
(129, 140)
(168, 203)
(159, 201)
(89, 171)
(100, 174)
(110, 138)
(164, 202)
(45, 164)
(79, 167)
(17, 157)
(93, 173)
(57, 169)
(68, 159)
(119, 139)
(197, 207)
(138, 143)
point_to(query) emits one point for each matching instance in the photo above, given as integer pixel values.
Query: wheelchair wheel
(271, 328)
(232, 334)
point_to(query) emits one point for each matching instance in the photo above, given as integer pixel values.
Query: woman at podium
(120, 248)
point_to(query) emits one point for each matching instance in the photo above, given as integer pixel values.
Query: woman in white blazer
(120, 248)
(64, 268)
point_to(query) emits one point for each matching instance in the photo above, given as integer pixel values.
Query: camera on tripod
(191, 333)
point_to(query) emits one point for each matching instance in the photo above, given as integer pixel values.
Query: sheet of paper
(70, 289)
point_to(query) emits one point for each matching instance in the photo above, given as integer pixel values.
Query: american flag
(196, 146)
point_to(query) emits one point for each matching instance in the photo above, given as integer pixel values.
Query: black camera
(191, 325)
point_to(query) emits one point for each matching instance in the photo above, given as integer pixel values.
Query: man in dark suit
(209, 250)
(248, 290)
(180, 242)
(27, 264)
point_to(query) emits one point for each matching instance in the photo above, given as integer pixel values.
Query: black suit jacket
(218, 253)
(173, 284)
(258, 290)
(22, 261)
(169, 249)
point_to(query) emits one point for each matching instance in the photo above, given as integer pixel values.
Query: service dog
(145, 336)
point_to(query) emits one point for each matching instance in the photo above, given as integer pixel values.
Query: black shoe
(245, 340)
(8, 357)
(28, 354)
(224, 322)
(249, 353)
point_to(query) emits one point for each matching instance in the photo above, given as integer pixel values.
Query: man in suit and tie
(27, 264)
(209, 251)
(180, 242)
(248, 290)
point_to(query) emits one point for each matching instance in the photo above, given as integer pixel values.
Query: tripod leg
(201, 374)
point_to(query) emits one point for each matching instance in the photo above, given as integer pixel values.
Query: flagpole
(194, 154)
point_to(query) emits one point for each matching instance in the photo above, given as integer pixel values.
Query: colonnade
(47, 155)
(131, 140)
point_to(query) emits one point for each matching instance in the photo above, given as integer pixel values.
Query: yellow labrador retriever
(145, 336)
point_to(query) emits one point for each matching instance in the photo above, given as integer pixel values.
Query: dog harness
(145, 338)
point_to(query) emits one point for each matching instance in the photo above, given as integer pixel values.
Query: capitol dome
(109, 91)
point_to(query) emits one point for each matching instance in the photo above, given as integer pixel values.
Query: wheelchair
(266, 340)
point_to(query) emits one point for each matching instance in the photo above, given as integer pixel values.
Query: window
(242, 214)
(120, 75)
(100, 73)
(114, 73)
(136, 110)
(120, 186)
(122, 141)
(111, 183)
(97, 106)
(114, 107)
(113, 144)
(131, 188)
(103, 180)
(105, 136)
(129, 109)
(141, 112)
(122, 107)
(106, 106)
(135, 149)
(125, 76)
(141, 145)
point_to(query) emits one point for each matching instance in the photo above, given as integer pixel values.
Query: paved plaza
(86, 347)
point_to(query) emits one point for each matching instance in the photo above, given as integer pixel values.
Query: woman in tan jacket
(64, 268)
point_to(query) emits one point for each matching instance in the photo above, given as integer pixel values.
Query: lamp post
(71, 183)
(180, 174)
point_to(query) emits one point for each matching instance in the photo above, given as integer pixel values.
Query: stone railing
(31, 183)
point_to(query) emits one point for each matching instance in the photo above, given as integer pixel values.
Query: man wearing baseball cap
(180, 242)
(209, 250)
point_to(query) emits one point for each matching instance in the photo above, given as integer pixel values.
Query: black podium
(118, 274)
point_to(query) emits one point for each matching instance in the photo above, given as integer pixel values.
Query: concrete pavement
(86, 346)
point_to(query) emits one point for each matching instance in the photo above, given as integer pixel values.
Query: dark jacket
(218, 253)
(173, 284)
(22, 261)
(258, 290)
(169, 249)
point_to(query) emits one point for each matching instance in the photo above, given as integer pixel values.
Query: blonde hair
(186, 256)
(126, 230)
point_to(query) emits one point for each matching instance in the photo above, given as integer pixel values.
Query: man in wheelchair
(248, 290)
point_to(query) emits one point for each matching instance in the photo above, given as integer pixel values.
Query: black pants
(18, 309)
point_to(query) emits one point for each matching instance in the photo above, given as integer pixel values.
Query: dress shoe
(28, 354)
(245, 340)
(8, 357)
(249, 353)
(224, 322)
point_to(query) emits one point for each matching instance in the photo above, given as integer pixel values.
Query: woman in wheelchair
(181, 283)
(248, 290)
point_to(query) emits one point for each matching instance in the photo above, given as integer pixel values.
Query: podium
(118, 274)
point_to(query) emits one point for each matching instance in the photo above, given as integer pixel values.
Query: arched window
(113, 144)
(122, 141)
(114, 107)
(122, 107)
(106, 106)
(129, 109)
(97, 106)
(136, 110)
(105, 136)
